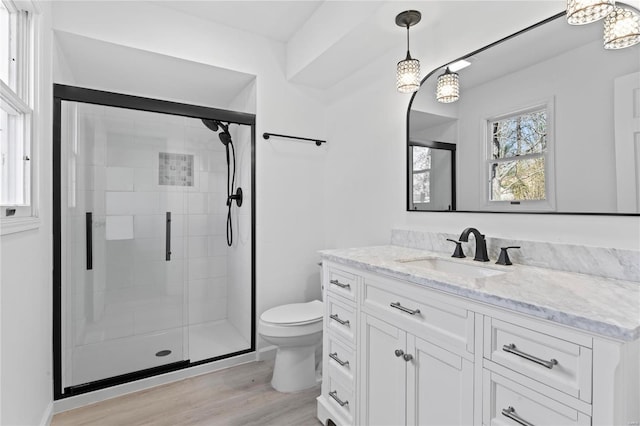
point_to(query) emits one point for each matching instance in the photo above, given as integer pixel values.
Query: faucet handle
(503, 259)
(458, 251)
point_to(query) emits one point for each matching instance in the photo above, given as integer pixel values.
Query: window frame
(549, 203)
(19, 95)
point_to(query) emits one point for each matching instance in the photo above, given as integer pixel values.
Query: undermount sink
(457, 268)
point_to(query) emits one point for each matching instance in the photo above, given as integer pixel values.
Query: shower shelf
(317, 141)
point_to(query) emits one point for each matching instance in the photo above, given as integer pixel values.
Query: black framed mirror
(547, 122)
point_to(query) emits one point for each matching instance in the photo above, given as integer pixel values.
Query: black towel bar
(317, 141)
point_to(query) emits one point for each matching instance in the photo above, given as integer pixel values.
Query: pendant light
(408, 71)
(580, 12)
(448, 87)
(622, 27)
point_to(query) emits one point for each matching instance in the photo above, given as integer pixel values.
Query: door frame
(98, 97)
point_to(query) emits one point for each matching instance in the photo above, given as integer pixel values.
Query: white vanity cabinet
(413, 355)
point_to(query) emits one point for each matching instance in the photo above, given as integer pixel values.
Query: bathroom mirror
(547, 121)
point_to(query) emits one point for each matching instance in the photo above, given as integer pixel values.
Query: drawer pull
(397, 305)
(334, 395)
(511, 348)
(511, 413)
(334, 356)
(335, 317)
(339, 284)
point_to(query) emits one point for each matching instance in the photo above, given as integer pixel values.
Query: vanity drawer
(563, 365)
(341, 282)
(505, 402)
(341, 359)
(341, 319)
(420, 311)
(340, 398)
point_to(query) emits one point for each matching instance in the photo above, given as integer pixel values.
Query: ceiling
(277, 20)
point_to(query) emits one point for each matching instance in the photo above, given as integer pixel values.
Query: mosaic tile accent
(175, 169)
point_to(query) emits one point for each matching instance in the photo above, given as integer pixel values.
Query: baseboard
(70, 403)
(47, 416)
(267, 353)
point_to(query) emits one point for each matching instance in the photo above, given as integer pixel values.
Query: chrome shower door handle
(335, 317)
(334, 395)
(397, 305)
(511, 348)
(511, 413)
(339, 284)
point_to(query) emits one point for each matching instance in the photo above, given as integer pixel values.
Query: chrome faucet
(481, 243)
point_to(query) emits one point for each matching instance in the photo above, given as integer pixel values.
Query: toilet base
(295, 368)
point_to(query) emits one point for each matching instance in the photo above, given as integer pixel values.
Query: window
(16, 116)
(519, 159)
(432, 176)
(421, 156)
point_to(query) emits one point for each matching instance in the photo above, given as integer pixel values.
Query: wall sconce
(580, 12)
(408, 70)
(622, 27)
(448, 87)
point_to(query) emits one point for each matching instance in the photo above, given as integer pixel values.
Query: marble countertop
(604, 306)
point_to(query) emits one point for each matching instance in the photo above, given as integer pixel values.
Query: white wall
(367, 183)
(26, 280)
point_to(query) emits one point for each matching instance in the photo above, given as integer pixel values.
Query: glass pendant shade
(621, 28)
(448, 87)
(408, 75)
(580, 12)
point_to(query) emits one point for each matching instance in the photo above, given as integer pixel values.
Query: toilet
(296, 329)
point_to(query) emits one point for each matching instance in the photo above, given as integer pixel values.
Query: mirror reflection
(546, 121)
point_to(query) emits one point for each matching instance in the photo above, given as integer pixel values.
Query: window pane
(422, 187)
(421, 158)
(5, 29)
(12, 164)
(519, 135)
(518, 180)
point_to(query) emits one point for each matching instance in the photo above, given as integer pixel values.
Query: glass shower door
(125, 175)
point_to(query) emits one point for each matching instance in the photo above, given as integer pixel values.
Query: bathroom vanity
(416, 337)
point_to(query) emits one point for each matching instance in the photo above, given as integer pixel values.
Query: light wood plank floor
(239, 395)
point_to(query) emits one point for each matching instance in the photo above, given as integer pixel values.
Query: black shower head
(211, 124)
(225, 138)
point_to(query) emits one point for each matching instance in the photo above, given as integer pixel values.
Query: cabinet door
(383, 375)
(439, 386)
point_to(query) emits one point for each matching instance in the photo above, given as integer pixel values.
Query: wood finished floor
(239, 395)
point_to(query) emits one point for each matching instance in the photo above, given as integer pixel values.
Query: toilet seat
(294, 314)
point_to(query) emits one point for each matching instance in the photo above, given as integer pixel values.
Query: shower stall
(154, 237)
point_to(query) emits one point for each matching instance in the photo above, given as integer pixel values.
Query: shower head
(225, 138)
(211, 124)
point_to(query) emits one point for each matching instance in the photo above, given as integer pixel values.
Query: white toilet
(297, 330)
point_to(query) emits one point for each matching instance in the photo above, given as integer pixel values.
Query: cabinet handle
(339, 284)
(397, 305)
(407, 357)
(335, 317)
(334, 356)
(511, 413)
(334, 395)
(399, 352)
(511, 348)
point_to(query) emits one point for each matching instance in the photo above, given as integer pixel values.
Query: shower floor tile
(213, 339)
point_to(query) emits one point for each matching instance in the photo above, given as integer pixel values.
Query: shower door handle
(89, 238)
(167, 244)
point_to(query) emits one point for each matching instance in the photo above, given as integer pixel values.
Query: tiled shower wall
(112, 170)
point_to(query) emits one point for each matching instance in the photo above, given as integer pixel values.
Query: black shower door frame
(98, 97)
